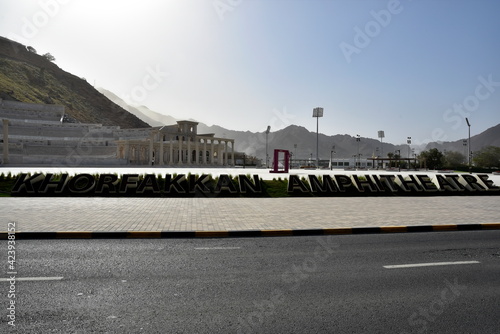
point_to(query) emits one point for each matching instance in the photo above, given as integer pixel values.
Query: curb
(244, 233)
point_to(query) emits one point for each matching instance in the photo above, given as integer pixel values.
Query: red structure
(276, 162)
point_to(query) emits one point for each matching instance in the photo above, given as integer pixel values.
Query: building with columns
(175, 145)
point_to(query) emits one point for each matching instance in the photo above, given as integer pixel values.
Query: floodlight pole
(381, 135)
(468, 146)
(267, 155)
(317, 112)
(408, 141)
(331, 157)
(358, 163)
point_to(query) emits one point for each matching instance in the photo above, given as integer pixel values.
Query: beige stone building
(38, 134)
(177, 145)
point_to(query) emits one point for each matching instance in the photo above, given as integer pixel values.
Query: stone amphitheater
(43, 135)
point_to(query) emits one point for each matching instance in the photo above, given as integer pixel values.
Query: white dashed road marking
(397, 266)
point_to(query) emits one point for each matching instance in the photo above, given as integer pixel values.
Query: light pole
(381, 135)
(414, 158)
(332, 152)
(267, 155)
(398, 154)
(464, 143)
(408, 141)
(317, 112)
(358, 139)
(470, 167)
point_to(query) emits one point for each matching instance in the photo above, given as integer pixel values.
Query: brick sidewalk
(221, 214)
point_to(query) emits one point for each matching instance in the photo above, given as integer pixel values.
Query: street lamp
(332, 152)
(317, 112)
(464, 143)
(398, 154)
(358, 139)
(381, 135)
(408, 141)
(414, 158)
(468, 124)
(267, 155)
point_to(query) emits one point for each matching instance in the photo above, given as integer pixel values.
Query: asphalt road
(327, 284)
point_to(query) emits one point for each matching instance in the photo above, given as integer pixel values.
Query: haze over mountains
(345, 145)
(28, 77)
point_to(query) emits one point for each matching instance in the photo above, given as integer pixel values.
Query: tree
(487, 157)
(432, 158)
(49, 57)
(453, 159)
(390, 155)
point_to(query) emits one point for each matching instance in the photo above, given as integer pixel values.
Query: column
(204, 155)
(160, 158)
(226, 155)
(150, 153)
(188, 160)
(211, 154)
(220, 154)
(171, 151)
(196, 151)
(127, 152)
(232, 153)
(179, 142)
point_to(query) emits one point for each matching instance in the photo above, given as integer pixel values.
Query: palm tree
(390, 155)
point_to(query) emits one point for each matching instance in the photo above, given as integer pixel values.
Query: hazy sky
(411, 68)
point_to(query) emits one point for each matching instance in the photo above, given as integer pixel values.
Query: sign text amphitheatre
(246, 185)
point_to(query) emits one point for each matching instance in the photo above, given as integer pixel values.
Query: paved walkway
(220, 214)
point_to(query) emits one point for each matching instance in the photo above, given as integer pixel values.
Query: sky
(411, 68)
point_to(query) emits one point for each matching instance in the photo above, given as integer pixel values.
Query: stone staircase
(41, 134)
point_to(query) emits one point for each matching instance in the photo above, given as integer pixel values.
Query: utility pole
(317, 112)
(469, 159)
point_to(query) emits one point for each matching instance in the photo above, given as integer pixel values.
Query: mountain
(489, 137)
(346, 146)
(151, 117)
(28, 77)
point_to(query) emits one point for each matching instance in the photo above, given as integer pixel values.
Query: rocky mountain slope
(28, 77)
